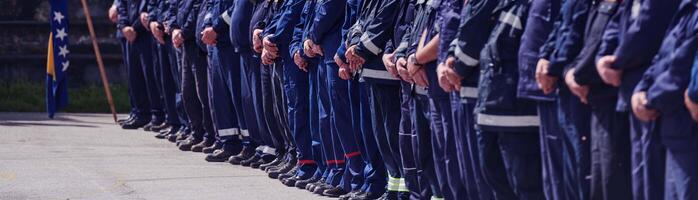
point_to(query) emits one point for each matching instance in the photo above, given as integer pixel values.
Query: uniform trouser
(682, 168)
(170, 91)
(408, 139)
(552, 154)
(385, 117)
(374, 169)
(510, 162)
(176, 56)
(331, 146)
(195, 91)
(232, 75)
(124, 57)
(268, 101)
(247, 101)
(610, 153)
(252, 68)
(427, 177)
(149, 63)
(340, 104)
(296, 88)
(279, 104)
(648, 160)
(575, 119)
(221, 101)
(445, 152)
(137, 59)
(468, 153)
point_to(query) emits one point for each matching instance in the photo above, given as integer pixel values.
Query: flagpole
(98, 54)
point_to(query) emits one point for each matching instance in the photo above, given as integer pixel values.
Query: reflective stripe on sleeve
(226, 18)
(508, 121)
(465, 58)
(369, 45)
(511, 19)
(468, 92)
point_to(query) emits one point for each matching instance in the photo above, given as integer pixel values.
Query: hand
(639, 102)
(157, 33)
(417, 72)
(271, 48)
(208, 36)
(609, 75)
(691, 106)
(129, 33)
(308, 49)
(355, 61)
(144, 20)
(578, 90)
(389, 64)
(344, 73)
(177, 38)
(545, 81)
(449, 80)
(340, 62)
(113, 15)
(266, 57)
(302, 64)
(257, 40)
(401, 66)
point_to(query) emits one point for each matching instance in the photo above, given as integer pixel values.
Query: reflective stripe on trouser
(247, 103)
(466, 146)
(427, 178)
(222, 111)
(253, 67)
(270, 118)
(408, 143)
(510, 163)
(385, 117)
(575, 119)
(280, 110)
(610, 153)
(338, 90)
(374, 171)
(195, 91)
(296, 88)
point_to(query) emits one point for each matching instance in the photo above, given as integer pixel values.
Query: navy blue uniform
(634, 37)
(508, 140)
(665, 82)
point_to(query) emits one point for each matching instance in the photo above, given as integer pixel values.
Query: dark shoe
(311, 186)
(212, 148)
(277, 174)
(289, 174)
(291, 181)
(161, 127)
(334, 192)
(165, 134)
(320, 188)
(186, 145)
(124, 121)
(134, 124)
(219, 155)
(251, 160)
(201, 145)
(275, 162)
(302, 184)
(246, 153)
(256, 165)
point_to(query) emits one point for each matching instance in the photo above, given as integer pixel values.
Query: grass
(31, 97)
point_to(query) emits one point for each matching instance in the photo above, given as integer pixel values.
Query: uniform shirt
(634, 38)
(669, 75)
(539, 25)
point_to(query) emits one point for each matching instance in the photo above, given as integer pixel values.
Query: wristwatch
(413, 58)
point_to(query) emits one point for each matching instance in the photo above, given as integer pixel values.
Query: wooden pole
(98, 54)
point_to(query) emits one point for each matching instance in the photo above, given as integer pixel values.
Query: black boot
(135, 123)
(219, 155)
(214, 147)
(246, 153)
(334, 192)
(203, 144)
(185, 145)
(165, 134)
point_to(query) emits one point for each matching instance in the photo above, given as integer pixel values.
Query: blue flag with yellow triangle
(57, 59)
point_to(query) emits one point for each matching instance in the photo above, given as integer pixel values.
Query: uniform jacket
(498, 108)
(374, 31)
(187, 16)
(567, 39)
(283, 24)
(634, 36)
(668, 77)
(326, 28)
(241, 17)
(539, 25)
(129, 14)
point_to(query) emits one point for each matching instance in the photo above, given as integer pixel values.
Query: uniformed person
(138, 59)
(629, 43)
(657, 96)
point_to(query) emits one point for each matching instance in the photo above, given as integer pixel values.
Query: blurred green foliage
(31, 97)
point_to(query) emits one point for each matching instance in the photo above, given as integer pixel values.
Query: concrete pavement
(86, 156)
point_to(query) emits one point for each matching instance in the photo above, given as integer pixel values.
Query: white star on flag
(63, 51)
(65, 65)
(58, 17)
(61, 33)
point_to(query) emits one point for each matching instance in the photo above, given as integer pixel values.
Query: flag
(57, 59)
